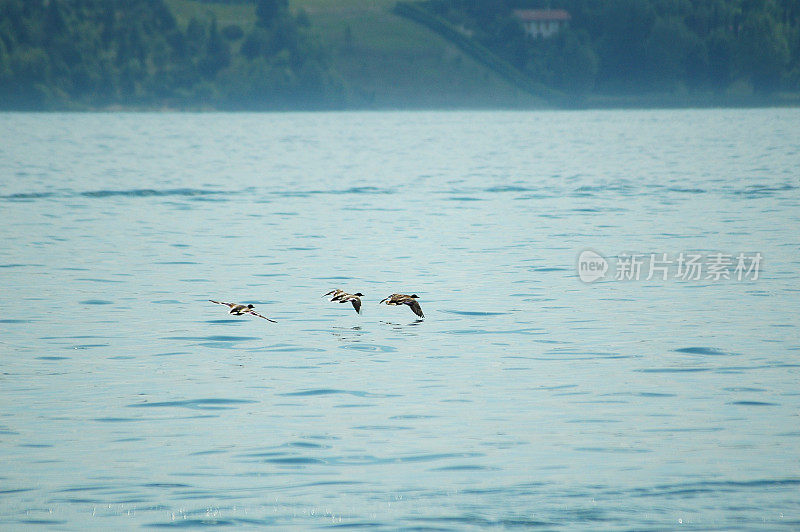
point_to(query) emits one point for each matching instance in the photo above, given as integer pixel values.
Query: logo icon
(591, 266)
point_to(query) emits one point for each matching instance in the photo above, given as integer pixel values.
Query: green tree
(625, 24)
(268, 11)
(217, 53)
(721, 54)
(763, 51)
(232, 32)
(674, 54)
(574, 64)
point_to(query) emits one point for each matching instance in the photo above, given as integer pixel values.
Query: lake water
(526, 398)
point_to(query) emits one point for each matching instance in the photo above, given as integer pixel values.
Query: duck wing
(254, 313)
(337, 295)
(230, 305)
(356, 301)
(414, 307)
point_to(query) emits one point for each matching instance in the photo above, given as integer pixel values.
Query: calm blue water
(526, 398)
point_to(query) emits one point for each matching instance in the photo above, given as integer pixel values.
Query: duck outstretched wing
(254, 313)
(414, 307)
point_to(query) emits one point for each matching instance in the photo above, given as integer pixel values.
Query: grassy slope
(242, 14)
(389, 61)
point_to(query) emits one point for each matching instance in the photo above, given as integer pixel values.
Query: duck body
(402, 299)
(238, 309)
(343, 297)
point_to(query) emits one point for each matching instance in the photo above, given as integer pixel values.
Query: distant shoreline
(693, 101)
(593, 102)
(377, 55)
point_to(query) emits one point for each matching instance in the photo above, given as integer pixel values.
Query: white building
(542, 23)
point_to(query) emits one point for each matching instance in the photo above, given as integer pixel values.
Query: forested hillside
(644, 46)
(132, 53)
(146, 54)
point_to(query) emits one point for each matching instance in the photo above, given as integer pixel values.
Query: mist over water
(525, 398)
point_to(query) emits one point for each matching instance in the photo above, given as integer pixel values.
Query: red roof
(527, 15)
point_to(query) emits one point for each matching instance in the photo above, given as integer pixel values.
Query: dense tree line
(77, 54)
(634, 46)
(99, 53)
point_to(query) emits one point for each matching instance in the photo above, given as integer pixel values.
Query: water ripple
(146, 192)
(196, 404)
(336, 192)
(131, 193)
(474, 313)
(711, 351)
(330, 391)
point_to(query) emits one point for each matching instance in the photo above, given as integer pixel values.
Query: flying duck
(336, 294)
(343, 297)
(402, 299)
(237, 309)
